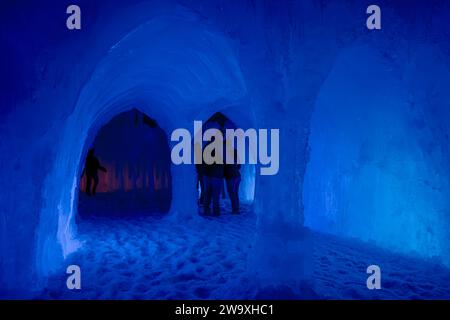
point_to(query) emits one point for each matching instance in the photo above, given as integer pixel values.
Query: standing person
(91, 170)
(213, 175)
(200, 182)
(222, 190)
(233, 179)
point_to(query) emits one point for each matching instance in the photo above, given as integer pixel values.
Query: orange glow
(124, 180)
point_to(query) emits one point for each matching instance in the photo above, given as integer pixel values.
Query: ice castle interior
(364, 168)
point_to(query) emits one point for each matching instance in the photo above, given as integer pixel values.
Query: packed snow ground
(159, 257)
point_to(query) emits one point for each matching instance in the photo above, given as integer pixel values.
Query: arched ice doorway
(152, 75)
(235, 117)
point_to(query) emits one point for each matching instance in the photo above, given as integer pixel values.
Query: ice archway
(171, 68)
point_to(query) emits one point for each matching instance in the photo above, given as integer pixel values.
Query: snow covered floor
(158, 257)
(340, 272)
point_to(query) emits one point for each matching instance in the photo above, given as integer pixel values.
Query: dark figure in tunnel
(213, 175)
(200, 183)
(91, 170)
(222, 190)
(233, 179)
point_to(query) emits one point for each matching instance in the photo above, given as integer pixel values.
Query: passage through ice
(340, 118)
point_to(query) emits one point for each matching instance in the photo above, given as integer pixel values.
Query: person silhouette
(91, 170)
(233, 179)
(213, 183)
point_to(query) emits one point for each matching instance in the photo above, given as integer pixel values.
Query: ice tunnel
(151, 76)
(363, 120)
(222, 120)
(135, 160)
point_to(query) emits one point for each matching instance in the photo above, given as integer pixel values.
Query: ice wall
(379, 164)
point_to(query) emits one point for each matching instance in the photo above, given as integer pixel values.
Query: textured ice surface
(367, 112)
(207, 258)
(379, 153)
